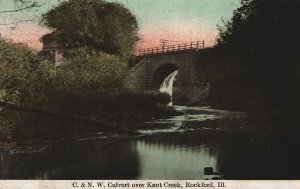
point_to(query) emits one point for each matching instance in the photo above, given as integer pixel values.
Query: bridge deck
(172, 48)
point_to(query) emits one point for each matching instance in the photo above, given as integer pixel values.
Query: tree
(22, 5)
(36, 98)
(263, 26)
(263, 37)
(98, 25)
(16, 66)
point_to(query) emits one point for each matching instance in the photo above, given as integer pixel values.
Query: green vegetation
(39, 100)
(258, 61)
(95, 24)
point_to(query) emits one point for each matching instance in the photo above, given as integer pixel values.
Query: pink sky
(177, 21)
(150, 37)
(30, 34)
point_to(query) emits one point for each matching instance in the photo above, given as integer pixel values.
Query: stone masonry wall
(187, 86)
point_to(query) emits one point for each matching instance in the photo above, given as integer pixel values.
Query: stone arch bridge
(153, 66)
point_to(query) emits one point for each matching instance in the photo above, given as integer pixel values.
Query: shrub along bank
(39, 100)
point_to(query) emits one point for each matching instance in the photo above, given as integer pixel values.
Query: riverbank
(179, 119)
(110, 114)
(182, 153)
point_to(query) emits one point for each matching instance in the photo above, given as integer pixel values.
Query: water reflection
(163, 156)
(260, 157)
(174, 159)
(74, 160)
(160, 157)
(167, 154)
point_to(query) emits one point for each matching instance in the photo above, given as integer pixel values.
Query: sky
(174, 20)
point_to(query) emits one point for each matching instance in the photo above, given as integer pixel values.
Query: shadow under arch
(161, 73)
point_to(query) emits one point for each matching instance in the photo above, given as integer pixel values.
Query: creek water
(167, 150)
(167, 85)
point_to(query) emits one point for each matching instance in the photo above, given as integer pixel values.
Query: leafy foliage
(98, 25)
(268, 26)
(89, 87)
(25, 80)
(16, 66)
(261, 45)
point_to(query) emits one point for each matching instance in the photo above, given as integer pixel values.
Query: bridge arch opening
(161, 73)
(163, 79)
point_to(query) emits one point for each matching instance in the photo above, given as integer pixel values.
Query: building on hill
(54, 49)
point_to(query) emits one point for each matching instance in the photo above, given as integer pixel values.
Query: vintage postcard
(149, 93)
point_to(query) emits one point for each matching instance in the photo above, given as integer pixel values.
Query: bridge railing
(172, 48)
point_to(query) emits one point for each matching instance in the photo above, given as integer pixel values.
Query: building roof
(52, 41)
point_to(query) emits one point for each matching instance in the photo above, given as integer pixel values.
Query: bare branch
(5, 117)
(16, 22)
(7, 84)
(33, 5)
(7, 127)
